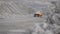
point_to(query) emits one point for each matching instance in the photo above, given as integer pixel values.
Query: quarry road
(25, 22)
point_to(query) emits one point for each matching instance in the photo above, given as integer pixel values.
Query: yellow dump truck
(38, 14)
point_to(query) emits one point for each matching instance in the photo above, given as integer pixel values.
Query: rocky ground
(16, 17)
